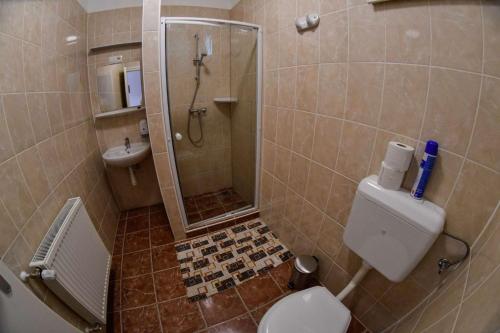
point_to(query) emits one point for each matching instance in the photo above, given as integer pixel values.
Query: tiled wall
(243, 114)
(104, 28)
(48, 145)
(401, 70)
(205, 167)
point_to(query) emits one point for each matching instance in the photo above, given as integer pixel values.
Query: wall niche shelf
(114, 45)
(118, 113)
(226, 99)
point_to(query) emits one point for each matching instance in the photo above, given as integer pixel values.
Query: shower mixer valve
(194, 112)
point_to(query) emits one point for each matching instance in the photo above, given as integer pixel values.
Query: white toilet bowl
(314, 310)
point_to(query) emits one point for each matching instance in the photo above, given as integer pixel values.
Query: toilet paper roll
(398, 156)
(390, 178)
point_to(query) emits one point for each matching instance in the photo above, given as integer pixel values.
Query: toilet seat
(314, 310)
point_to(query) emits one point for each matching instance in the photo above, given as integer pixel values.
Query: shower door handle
(178, 136)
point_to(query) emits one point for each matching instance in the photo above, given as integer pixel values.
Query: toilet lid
(314, 310)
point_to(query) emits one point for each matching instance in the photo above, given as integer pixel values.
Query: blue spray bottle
(424, 172)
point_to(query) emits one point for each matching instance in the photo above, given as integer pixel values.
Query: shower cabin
(211, 84)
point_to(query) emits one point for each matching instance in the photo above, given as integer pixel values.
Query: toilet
(390, 231)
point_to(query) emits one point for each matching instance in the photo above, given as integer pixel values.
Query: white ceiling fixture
(91, 6)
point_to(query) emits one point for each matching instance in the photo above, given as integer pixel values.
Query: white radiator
(74, 262)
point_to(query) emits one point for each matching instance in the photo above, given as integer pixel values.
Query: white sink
(121, 157)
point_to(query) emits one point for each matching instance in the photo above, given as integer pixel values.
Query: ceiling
(99, 5)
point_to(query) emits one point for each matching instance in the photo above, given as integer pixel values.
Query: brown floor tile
(259, 291)
(136, 241)
(157, 208)
(190, 204)
(180, 316)
(114, 296)
(221, 307)
(213, 212)
(207, 201)
(116, 268)
(137, 223)
(137, 263)
(161, 236)
(194, 217)
(243, 324)
(158, 219)
(355, 326)
(141, 320)
(234, 206)
(281, 275)
(169, 285)
(118, 246)
(113, 322)
(220, 226)
(120, 230)
(228, 196)
(137, 212)
(260, 312)
(137, 291)
(164, 257)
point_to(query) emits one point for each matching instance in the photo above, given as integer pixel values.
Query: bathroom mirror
(119, 86)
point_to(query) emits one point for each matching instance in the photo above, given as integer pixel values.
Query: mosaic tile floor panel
(229, 257)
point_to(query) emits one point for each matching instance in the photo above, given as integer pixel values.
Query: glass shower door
(211, 118)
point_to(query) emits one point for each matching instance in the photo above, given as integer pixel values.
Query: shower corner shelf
(226, 99)
(118, 113)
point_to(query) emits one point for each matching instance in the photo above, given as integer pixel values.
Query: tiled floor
(147, 294)
(208, 205)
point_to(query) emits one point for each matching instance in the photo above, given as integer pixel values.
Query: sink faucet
(127, 145)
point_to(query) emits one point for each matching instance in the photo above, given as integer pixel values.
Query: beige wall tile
(50, 160)
(333, 37)
(472, 202)
(366, 34)
(150, 54)
(405, 92)
(18, 121)
(14, 193)
(288, 47)
(327, 6)
(491, 26)
(287, 13)
(332, 89)
(152, 92)
(356, 146)
(9, 230)
(479, 312)
(318, 186)
(268, 155)
(330, 239)
(271, 88)
(451, 108)
(38, 116)
(364, 93)
(340, 198)
(283, 125)
(162, 167)
(299, 171)
(307, 88)
(308, 47)
(32, 67)
(486, 259)
(282, 166)
(271, 50)
(269, 115)
(303, 133)
(456, 35)
(484, 146)
(11, 67)
(326, 141)
(157, 133)
(399, 306)
(286, 87)
(18, 256)
(12, 18)
(408, 32)
(310, 222)
(32, 169)
(6, 149)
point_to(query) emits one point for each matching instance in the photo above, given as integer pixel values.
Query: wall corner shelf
(226, 99)
(118, 113)
(114, 45)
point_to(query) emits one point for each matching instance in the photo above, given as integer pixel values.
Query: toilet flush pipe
(360, 274)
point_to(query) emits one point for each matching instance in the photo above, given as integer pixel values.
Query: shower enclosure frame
(168, 130)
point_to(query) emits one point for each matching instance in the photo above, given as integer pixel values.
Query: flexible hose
(197, 142)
